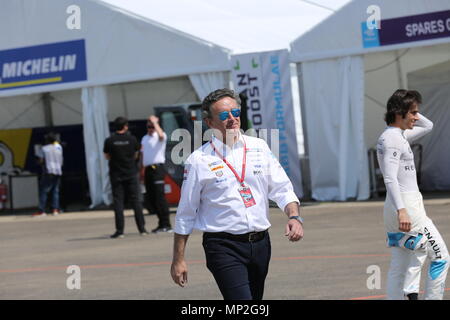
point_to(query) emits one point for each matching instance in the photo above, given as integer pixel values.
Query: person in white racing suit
(411, 235)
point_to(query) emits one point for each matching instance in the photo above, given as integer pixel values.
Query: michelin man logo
(6, 159)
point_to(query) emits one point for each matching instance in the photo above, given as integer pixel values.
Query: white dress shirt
(153, 150)
(210, 200)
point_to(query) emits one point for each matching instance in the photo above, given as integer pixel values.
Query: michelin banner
(45, 64)
(265, 79)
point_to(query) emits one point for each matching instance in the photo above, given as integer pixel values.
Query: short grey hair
(216, 96)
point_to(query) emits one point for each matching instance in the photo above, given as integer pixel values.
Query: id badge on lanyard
(244, 191)
(247, 196)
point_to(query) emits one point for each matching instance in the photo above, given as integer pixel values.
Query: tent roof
(119, 47)
(241, 26)
(340, 34)
(132, 40)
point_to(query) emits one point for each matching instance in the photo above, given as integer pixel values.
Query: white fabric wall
(67, 108)
(22, 112)
(134, 100)
(386, 72)
(334, 105)
(96, 130)
(434, 85)
(204, 83)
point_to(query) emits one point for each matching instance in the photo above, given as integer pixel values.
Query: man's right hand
(154, 119)
(404, 222)
(178, 270)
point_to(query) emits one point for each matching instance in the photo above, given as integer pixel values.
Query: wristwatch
(298, 218)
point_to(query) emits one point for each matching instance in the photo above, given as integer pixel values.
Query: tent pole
(124, 99)
(401, 83)
(47, 103)
(304, 162)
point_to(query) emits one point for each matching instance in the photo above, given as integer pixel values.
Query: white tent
(345, 82)
(434, 84)
(113, 48)
(136, 54)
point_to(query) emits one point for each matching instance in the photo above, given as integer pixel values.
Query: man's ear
(208, 122)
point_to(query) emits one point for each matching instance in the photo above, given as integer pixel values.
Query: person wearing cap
(122, 151)
(227, 184)
(153, 149)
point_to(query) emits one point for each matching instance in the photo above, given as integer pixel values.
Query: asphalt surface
(343, 241)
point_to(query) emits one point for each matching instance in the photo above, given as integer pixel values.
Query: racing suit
(409, 249)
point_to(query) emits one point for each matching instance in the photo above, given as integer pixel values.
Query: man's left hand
(294, 230)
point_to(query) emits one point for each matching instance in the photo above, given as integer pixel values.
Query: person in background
(122, 151)
(153, 149)
(51, 159)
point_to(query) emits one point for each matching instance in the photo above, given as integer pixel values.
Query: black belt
(246, 237)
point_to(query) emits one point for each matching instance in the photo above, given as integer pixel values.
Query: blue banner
(46, 64)
(371, 37)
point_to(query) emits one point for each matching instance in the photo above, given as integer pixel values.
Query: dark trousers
(239, 268)
(126, 186)
(49, 183)
(155, 196)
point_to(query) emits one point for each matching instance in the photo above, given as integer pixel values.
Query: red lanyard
(240, 179)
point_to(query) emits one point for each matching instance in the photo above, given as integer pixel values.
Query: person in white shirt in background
(153, 149)
(51, 159)
(411, 235)
(227, 184)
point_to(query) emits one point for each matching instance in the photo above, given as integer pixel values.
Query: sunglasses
(224, 114)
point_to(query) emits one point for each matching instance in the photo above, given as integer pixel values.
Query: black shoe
(413, 296)
(117, 235)
(162, 229)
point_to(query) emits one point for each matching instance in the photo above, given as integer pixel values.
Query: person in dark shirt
(122, 151)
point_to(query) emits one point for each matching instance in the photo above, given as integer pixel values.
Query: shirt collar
(402, 132)
(220, 145)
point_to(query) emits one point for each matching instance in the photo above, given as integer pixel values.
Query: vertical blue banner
(370, 36)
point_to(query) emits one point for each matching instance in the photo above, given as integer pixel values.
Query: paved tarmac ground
(342, 240)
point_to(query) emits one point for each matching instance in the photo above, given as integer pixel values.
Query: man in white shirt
(225, 193)
(411, 235)
(153, 149)
(51, 159)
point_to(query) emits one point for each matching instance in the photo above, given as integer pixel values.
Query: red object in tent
(3, 192)
(171, 190)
